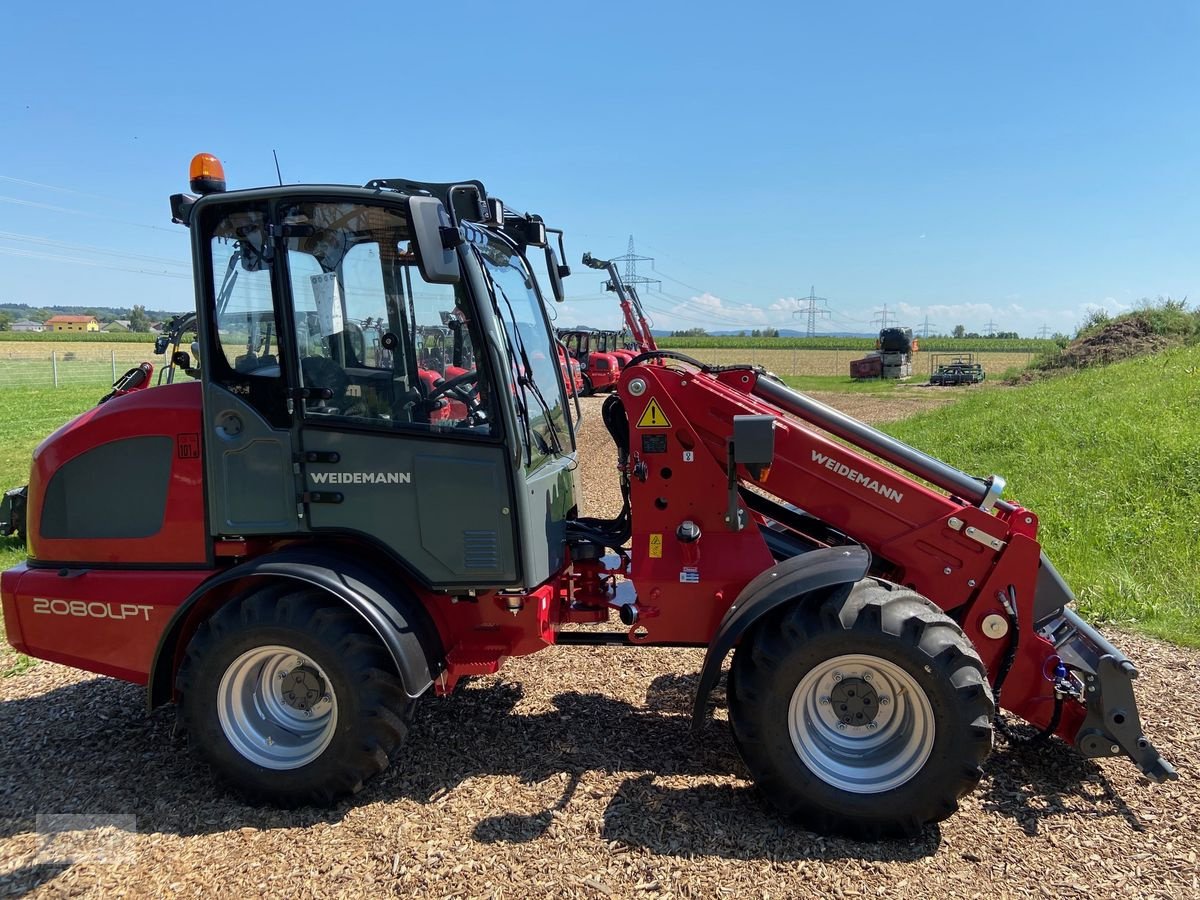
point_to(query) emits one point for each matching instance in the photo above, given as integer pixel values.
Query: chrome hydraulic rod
(884, 446)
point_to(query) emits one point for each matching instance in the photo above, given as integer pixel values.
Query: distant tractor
(951, 370)
(892, 357)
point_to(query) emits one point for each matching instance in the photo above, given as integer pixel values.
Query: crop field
(837, 362)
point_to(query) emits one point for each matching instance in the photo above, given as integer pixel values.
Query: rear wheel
(290, 698)
(588, 390)
(869, 715)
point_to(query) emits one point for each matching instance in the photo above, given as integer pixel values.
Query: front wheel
(290, 698)
(869, 715)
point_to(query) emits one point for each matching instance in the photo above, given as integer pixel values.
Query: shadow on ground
(89, 748)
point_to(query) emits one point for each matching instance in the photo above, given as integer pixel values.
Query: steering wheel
(457, 386)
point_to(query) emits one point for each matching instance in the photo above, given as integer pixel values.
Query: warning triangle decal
(653, 417)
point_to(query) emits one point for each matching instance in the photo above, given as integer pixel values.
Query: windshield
(531, 351)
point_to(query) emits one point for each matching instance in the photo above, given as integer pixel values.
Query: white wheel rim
(887, 749)
(277, 707)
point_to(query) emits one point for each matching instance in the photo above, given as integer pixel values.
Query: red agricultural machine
(317, 538)
(600, 369)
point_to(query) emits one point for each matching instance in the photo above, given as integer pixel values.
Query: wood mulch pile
(572, 773)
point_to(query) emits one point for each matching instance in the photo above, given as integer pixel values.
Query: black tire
(588, 390)
(365, 709)
(917, 647)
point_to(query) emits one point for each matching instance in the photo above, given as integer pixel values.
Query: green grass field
(27, 415)
(1109, 459)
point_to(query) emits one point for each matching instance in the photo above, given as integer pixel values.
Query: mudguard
(780, 584)
(395, 615)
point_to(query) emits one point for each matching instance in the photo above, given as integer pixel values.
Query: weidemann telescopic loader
(319, 535)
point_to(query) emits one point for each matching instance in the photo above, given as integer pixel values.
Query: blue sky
(1020, 163)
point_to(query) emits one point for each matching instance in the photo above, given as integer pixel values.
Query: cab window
(373, 338)
(532, 354)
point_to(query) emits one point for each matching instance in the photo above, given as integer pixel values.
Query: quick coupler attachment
(1105, 676)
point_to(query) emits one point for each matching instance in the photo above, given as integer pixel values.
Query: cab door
(382, 452)
(248, 425)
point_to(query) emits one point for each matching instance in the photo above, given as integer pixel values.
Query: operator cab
(378, 362)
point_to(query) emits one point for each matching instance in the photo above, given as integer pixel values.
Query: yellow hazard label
(653, 417)
(656, 546)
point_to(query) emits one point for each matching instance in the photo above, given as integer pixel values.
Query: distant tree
(960, 331)
(1006, 334)
(690, 332)
(5, 321)
(138, 320)
(973, 335)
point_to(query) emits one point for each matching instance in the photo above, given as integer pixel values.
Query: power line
(990, 327)
(631, 259)
(1044, 332)
(926, 326)
(813, 310)
(88, 248)
(30, 254)
(885, 318)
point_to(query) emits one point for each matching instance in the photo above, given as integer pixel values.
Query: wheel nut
(867, 676)
(841, 726)
(885, 700)
(871, 726)
(283, 673)
(308, 714)
(837, 676)
(824, 701)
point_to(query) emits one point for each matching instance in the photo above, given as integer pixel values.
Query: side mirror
(495, 212)
(555, 272)
(435, 240)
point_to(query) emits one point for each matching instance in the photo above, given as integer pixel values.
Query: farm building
(72, 323)
(118, 325)
(27, 325)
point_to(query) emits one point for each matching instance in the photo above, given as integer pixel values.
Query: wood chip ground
(572, 773)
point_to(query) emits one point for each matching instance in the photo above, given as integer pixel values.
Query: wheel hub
(861, 723)
(302, 688)
(276, 707)
(855, 702)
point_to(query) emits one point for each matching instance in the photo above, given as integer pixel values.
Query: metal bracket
(980, 537)
(995, 487)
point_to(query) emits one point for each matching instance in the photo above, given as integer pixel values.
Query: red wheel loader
(315, 543)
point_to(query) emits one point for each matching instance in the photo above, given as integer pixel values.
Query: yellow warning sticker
(653, 417)
(656, 546)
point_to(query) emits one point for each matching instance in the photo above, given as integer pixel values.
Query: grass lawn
(1109, 459)
(27, 415)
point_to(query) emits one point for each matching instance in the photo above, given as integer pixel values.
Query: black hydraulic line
(884, 446)
(1002, 675)
(668, 354)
